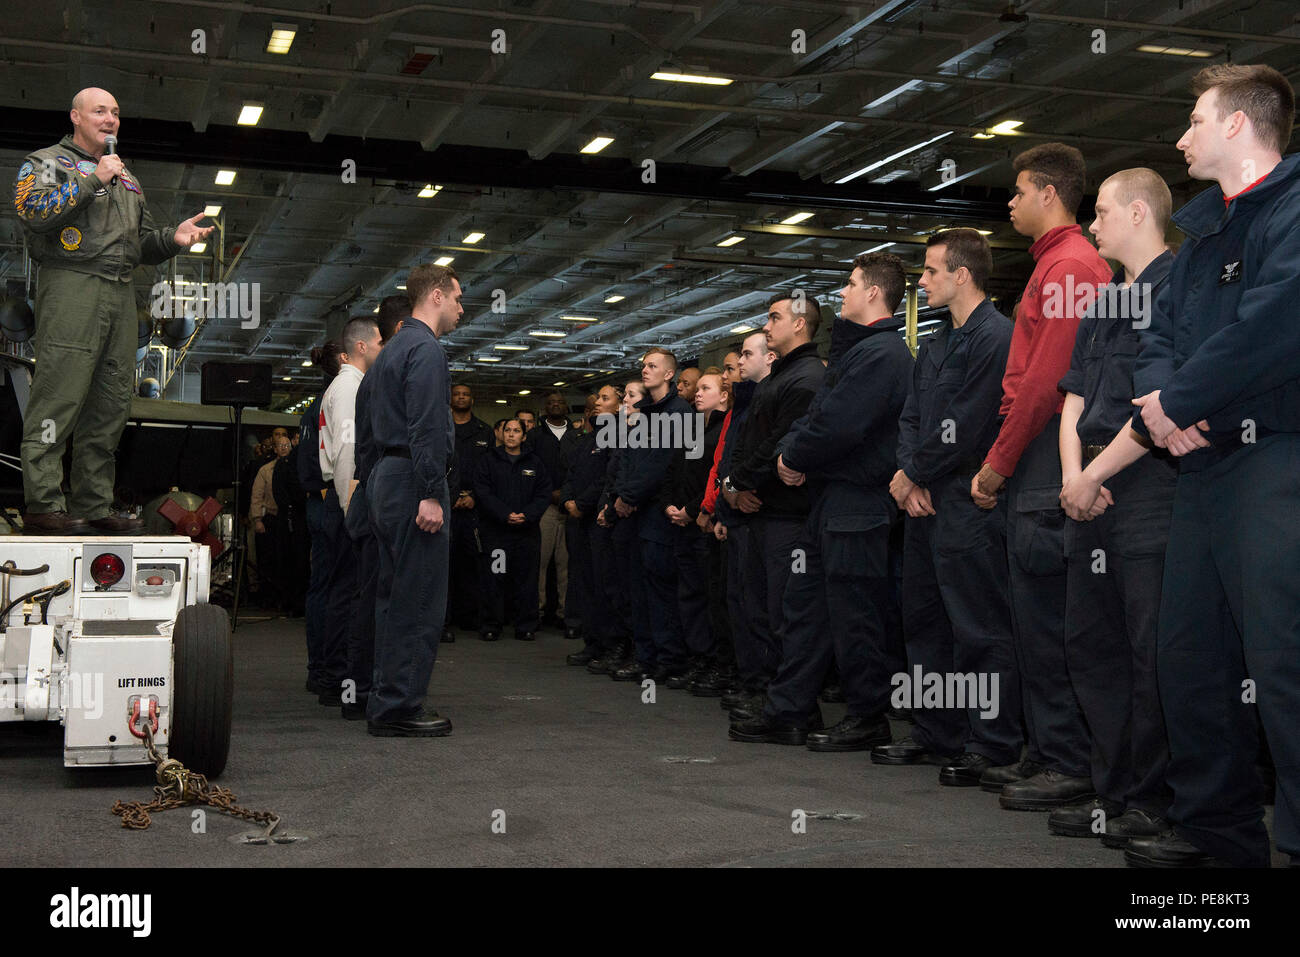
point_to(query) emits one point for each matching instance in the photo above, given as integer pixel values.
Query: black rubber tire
(202, 690)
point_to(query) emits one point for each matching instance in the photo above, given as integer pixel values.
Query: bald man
(87, 224)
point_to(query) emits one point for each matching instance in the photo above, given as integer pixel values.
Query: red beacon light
(107, 570)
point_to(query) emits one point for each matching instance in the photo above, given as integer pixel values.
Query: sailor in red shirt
(1026, 457)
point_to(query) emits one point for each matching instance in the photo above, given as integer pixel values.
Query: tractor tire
(203, 689)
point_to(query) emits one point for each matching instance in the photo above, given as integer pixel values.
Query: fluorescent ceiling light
(376, 309)
(875, 249)
(443, 261)
(578, 318)
(547, 334)
(525, 391)
(732, 240)
(489, 358)
(597, 144)
(796, 219)
(981, 136)
(429, 190)
(401, 285)
(199, 248)
(557, 383)
(890, 159)
(590, 375)
(472, 238)
(1006, 127)
(738, 330)
(1174, 51)
(891, 176)
(615, 298)
(288, 378)
(510, 347)
(306, 363)
(501, 401)
(676, 77)
(984, 232)
(897, 91)
(225, 177)
(250, 114)
(212, 209)
(281, 38)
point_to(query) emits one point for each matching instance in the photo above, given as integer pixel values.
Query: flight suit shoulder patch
(64, 162)
(129, 183)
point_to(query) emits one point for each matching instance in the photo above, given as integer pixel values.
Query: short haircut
(427, 277)
(886, 271)
(1056, 165)
(811, 312)
(392, 310)
(1146, 185)
(756, 332)
(358, 329)
(658, 351)
(519, 412)
(964, 246)
(1259, 91)
(326, 358)
(462, 385)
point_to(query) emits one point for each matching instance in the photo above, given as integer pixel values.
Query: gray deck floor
(584, 772)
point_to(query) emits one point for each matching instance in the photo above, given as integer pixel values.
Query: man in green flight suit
(87, 225)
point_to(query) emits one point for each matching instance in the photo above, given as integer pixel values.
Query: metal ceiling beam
(255, 148)
(526, 92)
(858, 237)
(1188, 30)
(632, 75)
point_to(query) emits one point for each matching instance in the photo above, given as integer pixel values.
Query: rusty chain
(178, 786)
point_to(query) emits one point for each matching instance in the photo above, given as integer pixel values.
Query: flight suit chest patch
(530, 472)
(70, 238)
(1230, 273)
(86, 167)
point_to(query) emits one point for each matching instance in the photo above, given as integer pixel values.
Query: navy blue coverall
(956, 607)
(1224, 346)
(835, 609)
(410, 419)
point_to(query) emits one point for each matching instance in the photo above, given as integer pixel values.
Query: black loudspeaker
(240, 384)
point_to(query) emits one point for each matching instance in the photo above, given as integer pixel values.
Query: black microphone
(110, 147)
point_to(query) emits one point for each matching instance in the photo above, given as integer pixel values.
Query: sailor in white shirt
(361, 343)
